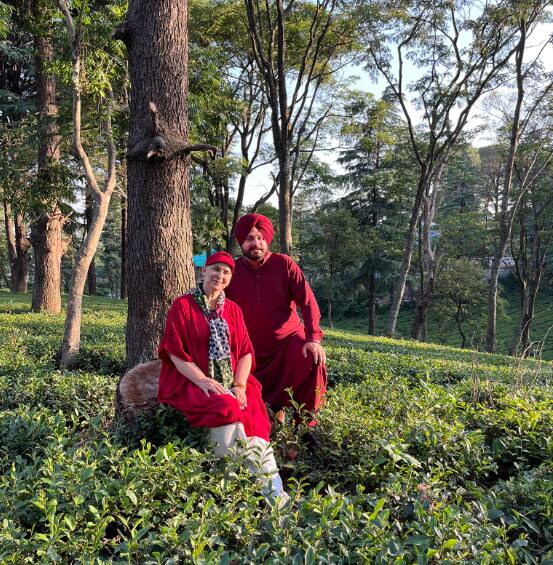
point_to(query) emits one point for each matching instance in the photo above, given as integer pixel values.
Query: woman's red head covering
(221, 257)
(250, 221)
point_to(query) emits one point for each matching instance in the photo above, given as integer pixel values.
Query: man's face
(254, 246)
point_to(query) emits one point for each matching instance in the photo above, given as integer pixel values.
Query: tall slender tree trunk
(285, 203)
(159, 226)
(91, 276)
(399, 287)
(123, 287)
(237, 209)
(329, 314)
(22, 245)
(371, 292)
(10, 243)
(46, 231)
(506, 217)
(72, 333)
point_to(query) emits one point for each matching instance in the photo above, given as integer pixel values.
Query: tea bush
(424, 454)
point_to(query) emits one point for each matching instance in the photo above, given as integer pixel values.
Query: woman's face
(216, 277)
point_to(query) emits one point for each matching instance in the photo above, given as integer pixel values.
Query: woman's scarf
(219, 365)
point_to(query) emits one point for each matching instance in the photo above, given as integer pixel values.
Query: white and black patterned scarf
(220, 367)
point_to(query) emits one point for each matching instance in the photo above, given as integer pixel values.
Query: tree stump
(137, 390)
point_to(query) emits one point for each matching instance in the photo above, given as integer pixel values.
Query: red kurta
(186, 337)
(269, 297)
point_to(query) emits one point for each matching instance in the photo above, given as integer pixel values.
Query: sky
(260, 179)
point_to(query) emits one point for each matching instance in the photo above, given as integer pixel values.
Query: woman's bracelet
(239, 385)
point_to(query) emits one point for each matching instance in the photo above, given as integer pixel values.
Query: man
(268, 287)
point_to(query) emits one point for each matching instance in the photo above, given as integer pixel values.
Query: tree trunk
(123, 291)
(460, 327)
(505, 217)
(159, 225)
(372, 302)
(399, 287)
(285, 204)
(236, 212)
(10, 242)
(91, 277)
(46, 231)
(329, 315)
(47, 244)
(72, 334)
(21, 267)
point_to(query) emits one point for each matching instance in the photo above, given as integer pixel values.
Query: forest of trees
(130, 134)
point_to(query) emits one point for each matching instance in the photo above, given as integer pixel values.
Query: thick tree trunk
(371, 292)
(123, 288)
(47, 244)
(72, 334)
(159, 227)
(46, 231)
(399, 287)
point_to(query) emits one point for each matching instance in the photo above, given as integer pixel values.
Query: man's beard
(253, 255)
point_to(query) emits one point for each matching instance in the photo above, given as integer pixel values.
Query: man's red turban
(250, 221)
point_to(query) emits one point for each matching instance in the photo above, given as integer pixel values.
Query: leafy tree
(460, 57)
(297, 47)
(461, 297)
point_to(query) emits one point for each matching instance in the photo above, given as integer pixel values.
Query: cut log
(138, 387)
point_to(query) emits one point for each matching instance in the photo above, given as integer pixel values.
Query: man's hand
(316, 350)
(240, 395)
(211, 385)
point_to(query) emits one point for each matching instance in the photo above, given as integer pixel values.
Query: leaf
(450, 543)
(417, 540)
(131, 494)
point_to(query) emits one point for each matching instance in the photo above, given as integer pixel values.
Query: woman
(207, 359)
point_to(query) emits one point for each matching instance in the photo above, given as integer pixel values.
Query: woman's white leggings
(259, 455)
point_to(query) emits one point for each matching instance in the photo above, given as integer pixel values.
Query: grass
(507, 321)
(427, 454)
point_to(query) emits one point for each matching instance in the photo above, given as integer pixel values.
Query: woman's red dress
(186, 337)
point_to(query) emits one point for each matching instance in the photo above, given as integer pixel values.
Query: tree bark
(285, 204)
(159, 225)
(21, 267)
(506, 218)
(100, 199)
(399, 287)
(91, 277)
(10, 242)
(329, 314)
(123, 290)
(46, 231)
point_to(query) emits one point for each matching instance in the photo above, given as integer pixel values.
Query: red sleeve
(243, 343)
(303, 296)
(174, 341)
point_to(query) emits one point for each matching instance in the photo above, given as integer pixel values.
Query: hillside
(427, 454)
(541, 331)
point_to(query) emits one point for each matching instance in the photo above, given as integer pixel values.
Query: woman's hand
(211, 385)
(240, 395)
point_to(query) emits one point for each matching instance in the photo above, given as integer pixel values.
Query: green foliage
(426, 454)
